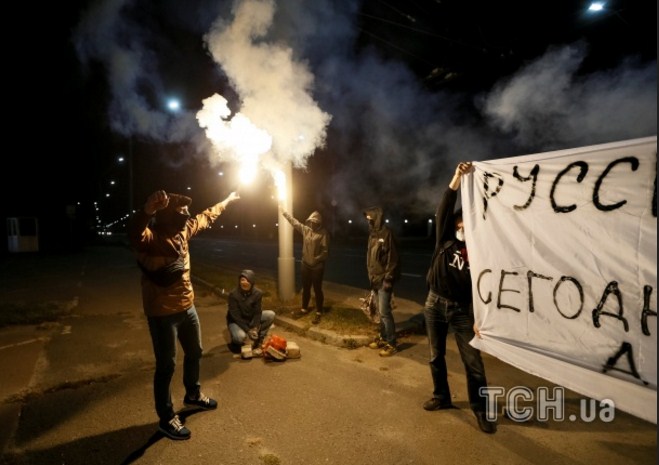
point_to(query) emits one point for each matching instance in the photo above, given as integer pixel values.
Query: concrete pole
(286, 260)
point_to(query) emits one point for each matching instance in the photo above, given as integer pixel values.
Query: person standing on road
(248, 323)
(159, 235)
(383, 267)
(315, 250)
(449, 304)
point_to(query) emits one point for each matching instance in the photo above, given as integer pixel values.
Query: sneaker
(378, 343)
(304, 311)
(388, 350)
(486, 426)
(174, 429)
(257, 351)
(316, 318)
(202, 401)
(437, 404)
(246, 351)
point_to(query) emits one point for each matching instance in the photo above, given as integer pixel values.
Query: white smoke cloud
(548, 105)
(102, 36)
(388, 141)
(274, 89)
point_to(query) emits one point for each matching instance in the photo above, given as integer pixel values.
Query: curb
(323, 335)
(317, 334)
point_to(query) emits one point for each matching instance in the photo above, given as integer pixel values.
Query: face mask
(179, 221)
(460, 234)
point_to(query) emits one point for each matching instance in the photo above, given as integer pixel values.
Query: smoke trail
(274, 88)
(109, 34)
(389, 141)
(547, 105)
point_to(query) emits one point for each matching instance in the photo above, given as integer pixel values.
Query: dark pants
(312, 277)
(440, 315)
(165, 331)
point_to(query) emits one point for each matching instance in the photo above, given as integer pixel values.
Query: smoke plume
(360, 128)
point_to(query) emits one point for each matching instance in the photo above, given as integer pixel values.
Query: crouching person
(248, 323)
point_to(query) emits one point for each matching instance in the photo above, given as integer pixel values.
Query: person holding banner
(449, 305)
(159, 235)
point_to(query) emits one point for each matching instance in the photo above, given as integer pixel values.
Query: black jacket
(449, 274)
(382, 260)
(245, 306)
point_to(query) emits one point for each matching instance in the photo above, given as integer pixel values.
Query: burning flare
(236, 137)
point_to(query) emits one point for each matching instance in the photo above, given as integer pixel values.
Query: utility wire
(420, 31)
(397, 47)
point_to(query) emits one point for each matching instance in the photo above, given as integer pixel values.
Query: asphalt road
(85, 393)
(346, 263)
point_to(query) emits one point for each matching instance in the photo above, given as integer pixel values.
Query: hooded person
(172, 219)
(449, 307)
(315, 250)
(247, 322)
(159, 235)
(383, 268)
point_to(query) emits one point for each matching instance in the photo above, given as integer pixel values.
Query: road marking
(412, 275)
(22, 343)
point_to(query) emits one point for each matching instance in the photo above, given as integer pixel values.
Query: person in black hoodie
(449, 304)
(248, 323)
(315, 250)
(383, 266)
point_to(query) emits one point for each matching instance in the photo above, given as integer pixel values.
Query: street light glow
(596, 6)
(173, 105)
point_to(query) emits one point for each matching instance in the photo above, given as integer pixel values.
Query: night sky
(396, 93)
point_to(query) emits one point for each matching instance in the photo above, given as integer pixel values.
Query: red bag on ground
(275, 347)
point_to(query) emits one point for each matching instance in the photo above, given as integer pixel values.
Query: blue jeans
(165, 330)
(440, 314)
(238, 334)
(387, 324)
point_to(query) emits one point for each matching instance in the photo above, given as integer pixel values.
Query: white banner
(563, 257)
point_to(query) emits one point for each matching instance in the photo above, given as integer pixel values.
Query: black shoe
(202, 401)
(437, 404)
(234, 348)
(174, 429)
(316, 318)
(486, 426)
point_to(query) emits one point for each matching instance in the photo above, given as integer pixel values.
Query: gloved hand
(253, 334)
(156, 201)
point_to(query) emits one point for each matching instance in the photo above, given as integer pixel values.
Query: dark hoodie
(315, 239)
(382, 261)
(449, 273)
(245, 306)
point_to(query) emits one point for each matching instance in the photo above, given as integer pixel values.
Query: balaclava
(168, 220)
